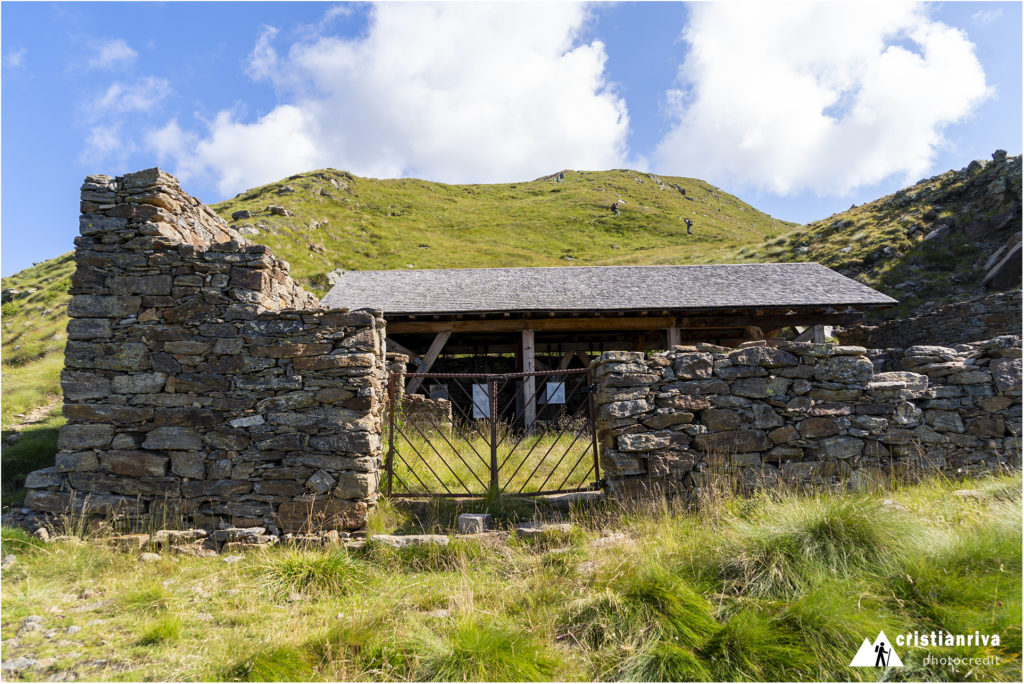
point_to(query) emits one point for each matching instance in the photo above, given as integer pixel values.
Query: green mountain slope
(34, 318)
(343, 221)
(924, 245)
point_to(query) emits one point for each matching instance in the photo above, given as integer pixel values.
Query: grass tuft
(331, 571)
(14, 540)
(752, 646)
(480, 648)
(276, 664)
(146, 600)
(164, 629)
(663, 661)
(783, 548)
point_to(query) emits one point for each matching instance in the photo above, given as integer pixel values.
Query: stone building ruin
(203, 385)
(201, 378)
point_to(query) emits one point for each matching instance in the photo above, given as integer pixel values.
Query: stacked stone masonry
(979, 318)
(201, 383)
(805, 414)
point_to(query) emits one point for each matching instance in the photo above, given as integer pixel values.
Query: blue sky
(800, 109)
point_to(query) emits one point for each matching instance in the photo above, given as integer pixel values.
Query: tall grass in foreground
(769, 588)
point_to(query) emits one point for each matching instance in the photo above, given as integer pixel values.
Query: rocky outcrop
(951, 237)
(201, 382)
(808, 414)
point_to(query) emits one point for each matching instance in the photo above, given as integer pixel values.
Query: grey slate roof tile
(600, 288)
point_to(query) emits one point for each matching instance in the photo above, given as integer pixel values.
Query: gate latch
(590, 389)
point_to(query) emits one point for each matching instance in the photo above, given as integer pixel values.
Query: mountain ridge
(328, 219)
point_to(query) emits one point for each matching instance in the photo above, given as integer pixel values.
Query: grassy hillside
(34, 323)
(924, 245)
(774, 588)
(342, 221)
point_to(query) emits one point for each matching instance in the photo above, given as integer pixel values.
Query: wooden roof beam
(739, 322)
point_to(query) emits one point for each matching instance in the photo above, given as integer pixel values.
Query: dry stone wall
(807, 414)
(201, 383)
(978, 318)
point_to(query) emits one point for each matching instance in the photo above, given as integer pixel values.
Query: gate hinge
(589, 389)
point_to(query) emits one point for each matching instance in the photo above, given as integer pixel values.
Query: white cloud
(455, 92)
(105, 143)
(169, 141)
(15, 59)
(816, 96)
(110, 53)
(139, 96)
(986, 16)
(335, 11)
(107, 118)
(263, 62)
(279, 144)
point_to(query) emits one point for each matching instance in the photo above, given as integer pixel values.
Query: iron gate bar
(492, 382)
(526, 433)
(402, 482)
(592, 418)
(391, 427)
(407, 467)
(523, 462)
(492, 404)
(454, 449)
(472, 424)
(416, 451)
(564, 454)
(515, 396)
(427, 440)
(568, 393)
(539, 463)
(578, 461)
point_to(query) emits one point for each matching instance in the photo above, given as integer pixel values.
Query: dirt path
(34, 416)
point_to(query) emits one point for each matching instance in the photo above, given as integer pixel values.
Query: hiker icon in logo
(879, 654)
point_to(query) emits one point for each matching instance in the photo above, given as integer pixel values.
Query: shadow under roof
(600, 289)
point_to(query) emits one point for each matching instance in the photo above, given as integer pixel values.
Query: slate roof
(600, 288)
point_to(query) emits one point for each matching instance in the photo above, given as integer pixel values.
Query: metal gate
(513, 433)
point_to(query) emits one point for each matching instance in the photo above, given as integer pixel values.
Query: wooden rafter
(396, 347)
(428, 360)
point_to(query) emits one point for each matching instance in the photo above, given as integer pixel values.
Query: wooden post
(391, 432)
(393, 346)
(673, 337)
(529, 382)
(492, 394)
(815, 333)
(435, 350)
